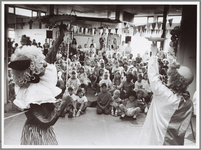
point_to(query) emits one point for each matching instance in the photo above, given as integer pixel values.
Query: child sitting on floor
(126, 86)
(69, 108)
(74, 82)
(82, 76)
(141, 94)
(98, 79)
(116, 68)
(115, 103)
(116, 81)
(106, 79)
(139, 83)
(131, 106)
(80, 103)
(103, 100)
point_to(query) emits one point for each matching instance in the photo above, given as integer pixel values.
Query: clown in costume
(35, 79)
(171, 108)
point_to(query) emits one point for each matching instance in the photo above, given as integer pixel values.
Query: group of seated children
(133, 104)
(120, 83)
(126, 102)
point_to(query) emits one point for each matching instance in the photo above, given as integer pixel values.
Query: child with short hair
(69, 92)
(82, 76)
(103, 100)
(126, 86)
(116, 81)
(98, 79)
(106, 79)
(141, 95)
(115, 103)
(80, 104)
(73, 81)
(115, 68)
(139, 83)
(131, 106)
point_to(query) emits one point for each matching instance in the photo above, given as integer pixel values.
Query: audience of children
(111, 75)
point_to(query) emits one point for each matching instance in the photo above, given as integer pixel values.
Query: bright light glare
(140, 20)
(23, 12)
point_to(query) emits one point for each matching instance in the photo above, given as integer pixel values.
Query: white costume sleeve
(156, 84)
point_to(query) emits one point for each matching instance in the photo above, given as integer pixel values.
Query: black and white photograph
(90, 74)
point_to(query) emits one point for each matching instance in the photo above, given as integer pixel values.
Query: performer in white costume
(171, 108)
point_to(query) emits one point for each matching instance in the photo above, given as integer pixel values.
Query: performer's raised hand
(154, 48)
(62, 28)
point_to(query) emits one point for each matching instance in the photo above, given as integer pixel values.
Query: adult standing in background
(102, 42)
(73, 48)
(34, 42)
(39, 45)
(46, 46)
(122, 48)
(128, 49)
(138, 58)
(114, 45)
(92, 42)
(104, 48)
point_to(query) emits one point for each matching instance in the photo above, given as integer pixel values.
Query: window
(160, 19)
(11, 33)
(11, 10)
(35, 13)
(150, 19)
(140, 20)
(23, 12)
(43, 14)
(176, 19)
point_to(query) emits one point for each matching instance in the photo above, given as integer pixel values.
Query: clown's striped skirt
(36, 135)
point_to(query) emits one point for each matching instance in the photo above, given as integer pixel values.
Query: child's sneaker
(122, 116)
(70, 115)
(74, 112)
(112, 112)
(146, 110)
(78, 114)
(116, 113)
(134, 117)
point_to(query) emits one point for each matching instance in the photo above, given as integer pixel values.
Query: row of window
(137, 20)
(145, 20)
(24, 12)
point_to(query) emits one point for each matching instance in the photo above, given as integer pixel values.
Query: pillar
(165, 13)
(186, 54)
(6, 56)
